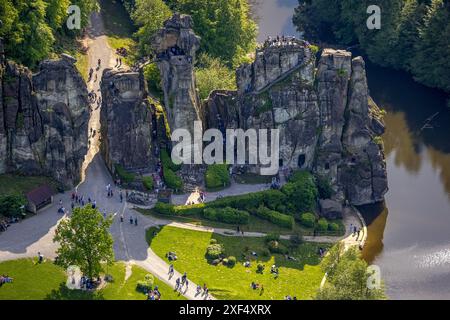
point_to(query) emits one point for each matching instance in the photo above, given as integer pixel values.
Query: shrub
(274, 198)
(322, 224)
(231, 261)
(307, 219)
(10, 205)
(125, 176)
(275, 217)
(172, 180)
(227, 215)
(212, 241)
(148, 182)
(214, 251)
(301, 191)
(217, 176)
(333, 227)
(146, 285)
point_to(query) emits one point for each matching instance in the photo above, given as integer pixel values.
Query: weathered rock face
(326, 122)
(43, 120)
(127, 122)
(175, 45)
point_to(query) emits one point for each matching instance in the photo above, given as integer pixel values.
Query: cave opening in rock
(301, 160)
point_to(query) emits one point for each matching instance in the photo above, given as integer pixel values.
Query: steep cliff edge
(43, 120)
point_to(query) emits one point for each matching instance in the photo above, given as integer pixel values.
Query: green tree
(149, 16)
(431, 64)
(10, 205)
(225, 26)
(84, 240)
(301, 191)
(347, 277)
(211, 74)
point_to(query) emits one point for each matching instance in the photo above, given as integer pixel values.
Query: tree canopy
(414, 34)
(347, 276)
(29, 28)
(85, 241)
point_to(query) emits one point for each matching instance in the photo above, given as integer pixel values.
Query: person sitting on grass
(247, 264)
(254, 285)
(5, 279)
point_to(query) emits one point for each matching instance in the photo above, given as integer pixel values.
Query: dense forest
(414, 34)
(33, 30)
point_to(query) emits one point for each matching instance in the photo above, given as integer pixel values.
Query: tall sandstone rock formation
(175, 46)
(326, 121)
(43, 120)
(127, 122)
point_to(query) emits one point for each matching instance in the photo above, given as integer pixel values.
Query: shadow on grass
(64, 293)
(150, 233)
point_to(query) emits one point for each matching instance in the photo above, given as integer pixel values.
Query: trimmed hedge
(171, 210)
(217, 176)
(227, 215)
(275, 217)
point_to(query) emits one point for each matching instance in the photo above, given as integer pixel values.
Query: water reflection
(411, 244)
(409, 236)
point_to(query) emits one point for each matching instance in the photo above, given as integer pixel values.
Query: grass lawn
(119, 27)
(46, 281)
(299, 278)
(22, 184)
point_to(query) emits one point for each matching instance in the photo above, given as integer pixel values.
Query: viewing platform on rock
(275, 60)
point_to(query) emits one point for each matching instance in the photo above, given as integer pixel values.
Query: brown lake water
(409, 235)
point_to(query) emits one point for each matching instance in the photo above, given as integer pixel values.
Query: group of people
(118, 62)
(89, 284)
(154, 294)
(181, 282)
(122, 52)
(284, 41)
(355, 231)
(203, 291)
(4, 225)
(5, 279)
